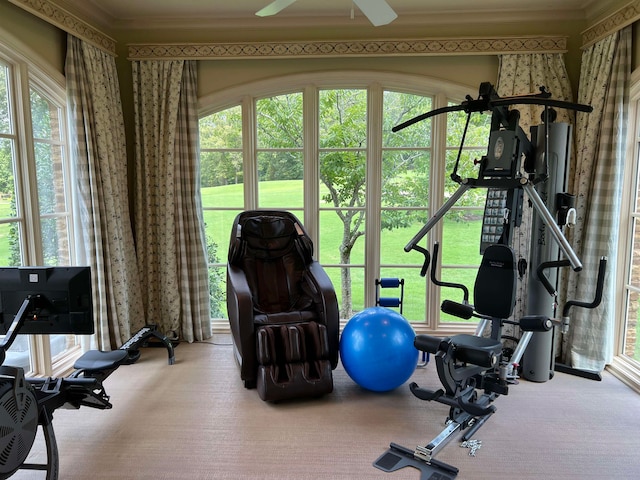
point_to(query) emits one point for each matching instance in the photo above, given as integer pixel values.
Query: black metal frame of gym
(513, 165)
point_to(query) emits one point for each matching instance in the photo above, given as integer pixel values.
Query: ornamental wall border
(68, 22)
(611, 24)
(348, 48)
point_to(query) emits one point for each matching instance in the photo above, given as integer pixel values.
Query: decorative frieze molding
(66, 21)
(611, 24)
(355, 48)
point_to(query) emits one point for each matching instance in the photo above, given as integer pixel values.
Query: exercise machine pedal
(144, 337)
(397, 457)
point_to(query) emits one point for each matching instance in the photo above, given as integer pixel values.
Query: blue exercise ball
(376, 349)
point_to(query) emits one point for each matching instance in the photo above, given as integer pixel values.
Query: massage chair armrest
(330, 308)
(240, 313)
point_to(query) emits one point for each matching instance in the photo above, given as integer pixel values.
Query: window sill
(627, 371)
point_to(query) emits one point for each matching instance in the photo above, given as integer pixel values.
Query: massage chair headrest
(268, 235)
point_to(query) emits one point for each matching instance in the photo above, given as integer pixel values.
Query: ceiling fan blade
(274, 7)
(377, 11)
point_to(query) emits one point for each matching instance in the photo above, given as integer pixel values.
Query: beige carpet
(195, 420)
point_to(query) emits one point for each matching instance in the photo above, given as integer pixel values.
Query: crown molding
(611, 24)
(68, 22)
(354, 48)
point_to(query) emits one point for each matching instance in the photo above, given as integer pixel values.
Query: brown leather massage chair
(282, 308)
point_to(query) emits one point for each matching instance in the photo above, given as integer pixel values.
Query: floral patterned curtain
(601, 137)
(169, 231)
(100, 168)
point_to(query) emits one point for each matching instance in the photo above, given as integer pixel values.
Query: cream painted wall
(217, 76)
(44, 40)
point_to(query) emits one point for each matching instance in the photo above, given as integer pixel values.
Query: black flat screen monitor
(61, 301)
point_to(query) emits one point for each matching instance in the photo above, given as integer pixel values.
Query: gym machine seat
(282, 308)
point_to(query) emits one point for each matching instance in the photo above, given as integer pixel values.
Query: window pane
(631, 344)
(342, 177)
(55, 241)
(218, 225)
(50, 178)
(221, 162)
(10, 253)
(10, 244)
(5, 110)
(281, 184)
(342, 237)
(343, 119)
(340, 244)
(349, 286)
(400, 107)
(461, 233)
(221, 179)
(19, 353)
(222, 130)
(60, 344)
(475, 142)
(217, 292)
(280, 160)
(393, 240)
(279, 121)
(405, 178)
(45, 118)
(7, 181)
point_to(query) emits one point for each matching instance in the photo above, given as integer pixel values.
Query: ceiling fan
(377, 11)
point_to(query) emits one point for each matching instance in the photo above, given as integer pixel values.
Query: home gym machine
(475, 369)
(51, 300)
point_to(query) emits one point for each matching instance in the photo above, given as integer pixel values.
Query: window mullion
(311, 166)
(436, 196)
(373, 191)
(249, 152)
(26, 177)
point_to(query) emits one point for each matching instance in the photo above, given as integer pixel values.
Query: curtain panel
(601, 137)
(100, 167)
(169, 231)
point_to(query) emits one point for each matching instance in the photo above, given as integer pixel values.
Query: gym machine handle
(535, 323)
(436, 281)
(460, 310)
(489, 100)
(543, 278)
(475, 356)
(427, 259)
(427, 343)
(602, 268)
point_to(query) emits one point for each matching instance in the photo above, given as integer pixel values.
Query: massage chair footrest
(294, 380)
(293, 361)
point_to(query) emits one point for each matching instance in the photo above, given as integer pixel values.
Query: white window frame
(623, 367)
(31, 71)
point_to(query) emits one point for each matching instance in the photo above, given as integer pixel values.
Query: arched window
(321, 147)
